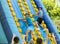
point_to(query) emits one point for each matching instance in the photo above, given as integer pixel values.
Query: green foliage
(53, 9)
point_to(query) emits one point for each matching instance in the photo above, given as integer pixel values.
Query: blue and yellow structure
(11, 10)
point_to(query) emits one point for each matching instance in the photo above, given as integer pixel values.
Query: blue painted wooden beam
(8, 21)
(5, 25)
(3, 39)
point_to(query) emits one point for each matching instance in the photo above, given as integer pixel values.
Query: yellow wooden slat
(14, 15)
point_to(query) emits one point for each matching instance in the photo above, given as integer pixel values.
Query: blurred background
(53, 8)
